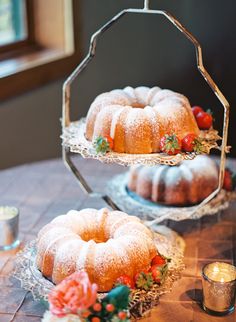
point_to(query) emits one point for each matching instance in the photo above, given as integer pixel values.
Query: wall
(139, 49)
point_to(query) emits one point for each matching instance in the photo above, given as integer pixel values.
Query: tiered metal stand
(73, 132)
(74, 141)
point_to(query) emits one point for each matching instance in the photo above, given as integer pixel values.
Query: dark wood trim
(13, 46)
(30, 21)
(26, 80)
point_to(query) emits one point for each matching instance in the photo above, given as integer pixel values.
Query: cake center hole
(97, 239)
(138, 105)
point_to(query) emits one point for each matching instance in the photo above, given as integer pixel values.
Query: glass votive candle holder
(219, 288)
(9, 228)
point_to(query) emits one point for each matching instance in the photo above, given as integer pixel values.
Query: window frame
(29, 40)
(35, 64)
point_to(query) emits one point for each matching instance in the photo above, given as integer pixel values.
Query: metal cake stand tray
(73, 138)
(152, 212)
(168, 243)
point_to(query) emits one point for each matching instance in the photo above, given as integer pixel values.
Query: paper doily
(74, 139)
(141, 301)
(133, 204)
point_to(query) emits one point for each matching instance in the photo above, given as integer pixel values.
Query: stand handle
(146, 5)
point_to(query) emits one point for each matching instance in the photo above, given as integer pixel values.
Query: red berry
(122, 315)
(97, 307)
(158, 260)
(228, 183)
(95, 319)
(188, 142)
(156, 273)
(125, 280)
(191, 142)
(110, 307)
(170, 144)
(204, 120)
(196, 109)
(109, 141)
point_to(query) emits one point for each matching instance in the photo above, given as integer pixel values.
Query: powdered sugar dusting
(188, 183)
(130, 245)
(204, 165)
(152, 113)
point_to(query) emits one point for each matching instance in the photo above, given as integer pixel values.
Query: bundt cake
(137, 118)
(185, 184)
(106, 244)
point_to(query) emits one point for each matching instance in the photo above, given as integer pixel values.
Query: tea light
(9, 222)
(219, 288)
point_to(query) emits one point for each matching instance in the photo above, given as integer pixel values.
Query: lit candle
(9, 220)
(219, 288)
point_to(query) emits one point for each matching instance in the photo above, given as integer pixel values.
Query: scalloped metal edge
(74, 139)
(116, 189)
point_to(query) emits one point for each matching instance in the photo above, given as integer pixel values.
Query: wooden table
(46, 189)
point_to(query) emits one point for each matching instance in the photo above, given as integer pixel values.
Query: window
(39, 42)
(13, 21)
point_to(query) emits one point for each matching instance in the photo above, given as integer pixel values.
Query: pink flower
(74, 295)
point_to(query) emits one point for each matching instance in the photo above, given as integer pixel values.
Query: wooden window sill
(33, 69)
(33, 58)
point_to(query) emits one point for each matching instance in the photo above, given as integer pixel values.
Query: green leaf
(101, 145)
(119, 297)
(144, 281)
(198, 146)
(171, 143)
(45, 303)
(164, 272)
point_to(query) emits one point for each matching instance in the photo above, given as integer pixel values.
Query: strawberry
(204, 120)
(144, 280)
(228, 181)
(103, 144)
(158, 260)
(125, 280)
(191, 142)
(170, 144)
(110, 141)
(156, 271)
(196, 109)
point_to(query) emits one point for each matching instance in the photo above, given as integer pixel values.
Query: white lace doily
(133, 204)
(73, 138)
(171, 246)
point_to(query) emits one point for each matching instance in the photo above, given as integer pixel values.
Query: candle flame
(215, 269)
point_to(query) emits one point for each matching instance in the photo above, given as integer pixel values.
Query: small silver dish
(9, 228)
